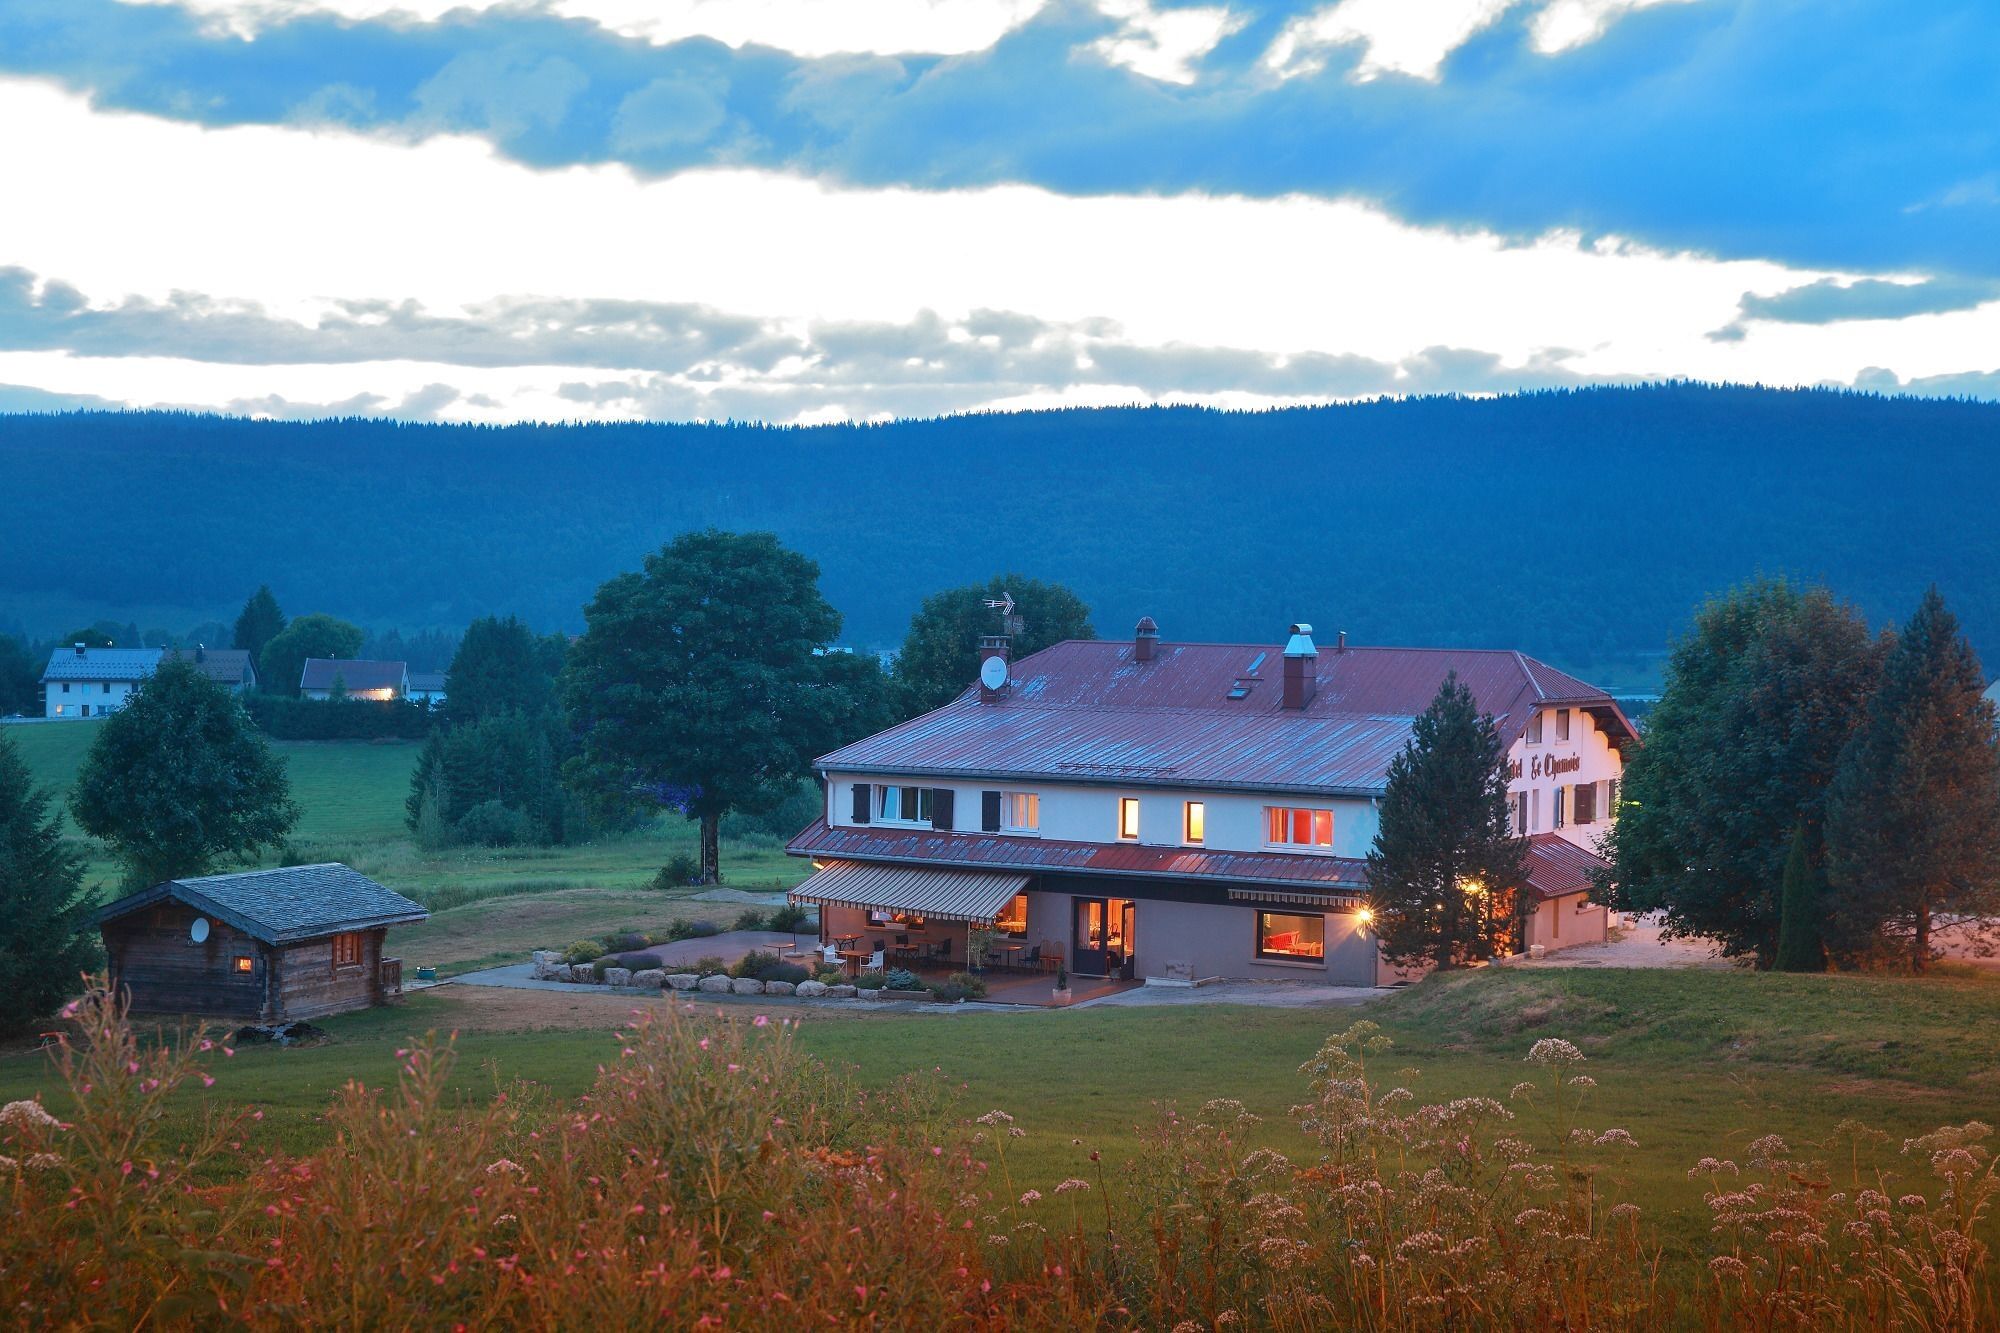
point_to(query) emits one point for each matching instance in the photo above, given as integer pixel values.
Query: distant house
(427, 686)
(228, 667)
(355, 677)
(266, 945)
(90, 682)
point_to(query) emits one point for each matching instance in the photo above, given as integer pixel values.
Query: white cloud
(447, 227)
(1163, 44)
(806, 27)
(1403, 37)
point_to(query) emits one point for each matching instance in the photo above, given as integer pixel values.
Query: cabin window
(1297, 826)
(1535, 727)
(1291, 938)
(243, 964)
(1128, 817)
(1013, 919)
(347, 949)
(1023, 811)
(1194, 818)
(1562, 724)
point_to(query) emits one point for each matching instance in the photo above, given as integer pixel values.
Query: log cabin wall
(152, 954)
(310, 986)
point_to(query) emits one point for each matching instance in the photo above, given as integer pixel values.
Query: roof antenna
(1010, 624)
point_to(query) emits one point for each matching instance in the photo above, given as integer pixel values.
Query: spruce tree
(1446, 875)
(260, 622)
(1799, 947)
(46, 937)
(1913, 821)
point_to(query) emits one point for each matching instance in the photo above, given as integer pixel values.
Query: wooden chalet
(263, 945)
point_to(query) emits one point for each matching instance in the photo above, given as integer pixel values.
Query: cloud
(1164, 44)
(1830, 300)
(1968, 384)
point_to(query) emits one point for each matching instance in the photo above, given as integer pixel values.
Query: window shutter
(861, 798)
(989, 811)
(1561, 793)
(941, 808)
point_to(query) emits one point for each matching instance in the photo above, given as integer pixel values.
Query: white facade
(1548, 772)
(85, 698)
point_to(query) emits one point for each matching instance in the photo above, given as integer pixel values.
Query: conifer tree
(1799, 947)
(260, 622)
(1913, 821)
(1446, 875)
(46, 938)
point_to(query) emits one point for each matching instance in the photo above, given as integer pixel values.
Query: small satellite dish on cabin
(993, 673)
(198, 932)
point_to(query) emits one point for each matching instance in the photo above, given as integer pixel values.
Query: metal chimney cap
(1147, 625)
(1301, 643)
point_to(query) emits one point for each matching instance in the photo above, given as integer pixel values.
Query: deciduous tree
(940, 654)
(1446, 875)
(316, 635)
(1913, 821)
(47, 939)
(178, 780)
(699, 683)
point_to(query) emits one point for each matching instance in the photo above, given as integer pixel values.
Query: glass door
(1090, 947)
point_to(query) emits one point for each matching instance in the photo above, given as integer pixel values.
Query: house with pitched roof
(353, 678)
(82, 682)
(230, 668)
(1174, 812)
(264, 945)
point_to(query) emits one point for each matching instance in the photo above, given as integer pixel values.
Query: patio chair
(1052, 956)
(942, 951)
(874, 963)
(1032, 961)
(830, 955)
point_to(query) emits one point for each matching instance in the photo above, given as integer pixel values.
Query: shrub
(692, 930)
(949, 992)
(680, 871)
(710, 966)
(638, 962)
(792, 916)
(583, 951)
(974, 987)
(830, 976)
(625, 941)
(755, 964)
(898, 978)
(749, 919)
(791, 972)
(870, 981)
(491, 824)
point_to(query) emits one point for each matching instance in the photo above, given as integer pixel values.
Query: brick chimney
(993, 680)
(1145, 639)
(1301, 667)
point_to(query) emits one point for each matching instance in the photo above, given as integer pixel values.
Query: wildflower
(503, 1166)
(1032, 1196)
(1016, 1132)
(1552, 1052)
(760, 1021)
(1521, 1090)
(1727, 1265)
(27, 1113)
(1618, 1137)
(8, 1164)
(995, 1118)
(1913, 1201)
(996, 1240)
(1072, 1186)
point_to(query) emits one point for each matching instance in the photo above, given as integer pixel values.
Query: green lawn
(1690, 1062)
(351, 795)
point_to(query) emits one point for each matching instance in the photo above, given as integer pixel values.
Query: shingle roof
(999, 851)
(230, 666)
(354, 673)
(102, 664)
(1087, 710)
(1557, 866)
(285, 905)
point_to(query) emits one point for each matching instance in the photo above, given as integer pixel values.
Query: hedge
(286, 719)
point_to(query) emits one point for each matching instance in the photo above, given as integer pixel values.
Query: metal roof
(997, 851)
(285, 905)
(228, 666)
(937, 894)
(1557, 866)
(102, 664)
(1211, 715)
(354, 673)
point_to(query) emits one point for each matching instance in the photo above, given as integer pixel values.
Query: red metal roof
(1086, 710)
(998, 851)
(1557, 866)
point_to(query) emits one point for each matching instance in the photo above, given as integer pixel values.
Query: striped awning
(935, 894)
(1330, 902)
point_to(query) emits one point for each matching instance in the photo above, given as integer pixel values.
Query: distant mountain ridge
(1582, 526)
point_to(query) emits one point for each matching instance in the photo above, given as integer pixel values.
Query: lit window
(1193, 818)
(1297, 826)
(1282, 935)
(1013, 919)
(243, 963)
(1562, 724)
(1128, 817)
(1535, 727)
(347, 950)
(1024, 811)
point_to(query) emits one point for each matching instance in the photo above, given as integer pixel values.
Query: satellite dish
(199, 930)
(993, 673)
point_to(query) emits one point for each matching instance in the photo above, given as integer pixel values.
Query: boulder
(884, 993)
(541, 970)
(716, 985)
(778, 988)
(649, 978)
(810, 989)
(747, 986)
(580, 972)
(682, 981)
(842, 992)
(617, 976)
(550, 956)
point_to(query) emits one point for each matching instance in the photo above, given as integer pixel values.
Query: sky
(813, 210)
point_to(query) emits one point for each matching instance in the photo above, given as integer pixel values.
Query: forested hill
(1578, 525)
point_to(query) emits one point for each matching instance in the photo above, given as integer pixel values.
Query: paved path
(1641, 946)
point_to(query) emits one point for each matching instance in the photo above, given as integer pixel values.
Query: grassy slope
(1690, 1062)
(351, 794)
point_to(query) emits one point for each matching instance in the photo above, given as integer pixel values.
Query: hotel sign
(1546, 766)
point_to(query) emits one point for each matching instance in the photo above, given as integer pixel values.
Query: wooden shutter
(1586, 802)
(941, 808)
(862, 795)
(989, 811)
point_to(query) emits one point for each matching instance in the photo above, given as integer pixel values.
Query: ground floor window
(1285, 936)
(1013, 919)
(243, 963)
(347, 949)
